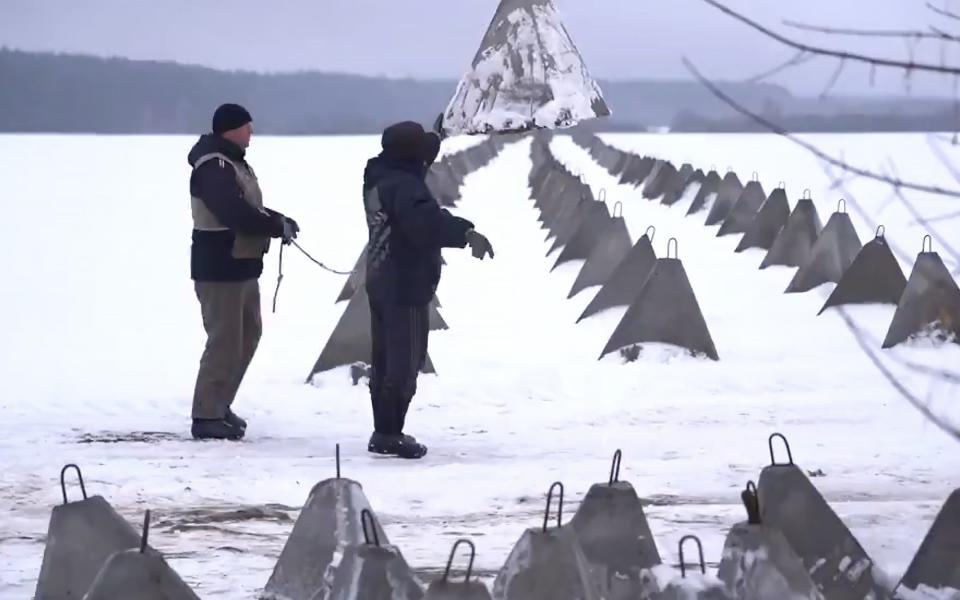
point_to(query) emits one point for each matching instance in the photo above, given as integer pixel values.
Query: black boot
(403, 446)
(235, 420)
(215, 429)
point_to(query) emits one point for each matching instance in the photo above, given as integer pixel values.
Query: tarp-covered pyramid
(527, 74)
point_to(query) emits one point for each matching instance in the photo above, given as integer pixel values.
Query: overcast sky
(437, 38)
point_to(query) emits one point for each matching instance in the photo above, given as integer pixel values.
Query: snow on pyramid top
(527, 74)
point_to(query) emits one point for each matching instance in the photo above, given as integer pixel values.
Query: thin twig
(840, 54)
(774, 128)
(834, 79)
(867, 348)
(883, 33)
(943, 12)
(798, 59)
(941, 240)
(946, 217)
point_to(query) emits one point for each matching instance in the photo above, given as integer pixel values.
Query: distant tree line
(46, 92)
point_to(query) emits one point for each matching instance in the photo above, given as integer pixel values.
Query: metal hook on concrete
(881, 232)
(546, 514)
(676, 248)
(63, 484)
(752, 503)
(650, 232)
(473, 555)
(926, 239)
(366, 515)
(683, 562)
(786, 444)
(615, 467)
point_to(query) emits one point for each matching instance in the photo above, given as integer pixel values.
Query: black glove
(479, 244)
(290, 230)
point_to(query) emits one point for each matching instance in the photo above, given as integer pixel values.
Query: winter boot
(215, 429)
(235, 420)
(402, 446)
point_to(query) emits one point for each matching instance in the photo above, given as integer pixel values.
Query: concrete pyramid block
(935, 570)
(626, 281)
(657, 185)
(139, 574)
(81, 536)
(795, 241)
(768, 222)
(596, 220)
(727, 194)
(637, 170)
(371, 571)
(874, 277)
(613, 532)
(930, 304)
(835, 560)
(707, 193)
(744, 210)
(357, 278)
(350, 342)
(572, 216)
(546, 564)
(526, 74)
(444, 588)
(665, 311)
(758, 562)
(686, 177)
(831, 255)
(694, 586)
(612, 245)
(332, 520)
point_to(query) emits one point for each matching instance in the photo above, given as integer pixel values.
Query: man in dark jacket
(231, 234)
(407, 228)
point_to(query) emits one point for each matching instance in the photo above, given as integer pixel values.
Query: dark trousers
(399, 336)
(231, 318)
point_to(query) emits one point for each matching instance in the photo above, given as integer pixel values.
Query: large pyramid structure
(527, 74)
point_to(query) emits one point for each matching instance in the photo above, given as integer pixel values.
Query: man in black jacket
(407, 228)
(231, 234)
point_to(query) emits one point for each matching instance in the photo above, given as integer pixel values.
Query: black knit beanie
(230, 116)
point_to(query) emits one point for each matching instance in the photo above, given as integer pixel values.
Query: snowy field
(102, 336)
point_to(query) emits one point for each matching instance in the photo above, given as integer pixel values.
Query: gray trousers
(231, 318)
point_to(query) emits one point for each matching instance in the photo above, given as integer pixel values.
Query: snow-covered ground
(102, 337)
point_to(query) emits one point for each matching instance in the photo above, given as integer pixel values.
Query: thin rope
(276, 292)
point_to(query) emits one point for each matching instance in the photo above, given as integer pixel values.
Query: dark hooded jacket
(215, 183)
(407, 228)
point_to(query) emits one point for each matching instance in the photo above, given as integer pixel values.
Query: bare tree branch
(774, 128)
(798, 59)
(933, 34)
(946, 217)
(868, 349)
(908, 66)
(943, 12)
(833, 79)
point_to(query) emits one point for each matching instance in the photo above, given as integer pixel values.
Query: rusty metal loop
(842, 203)
(751, 502)
(881, 232)
(807, 194)
(927, 238)
(649, 234)
(615, 207)
(676, 248)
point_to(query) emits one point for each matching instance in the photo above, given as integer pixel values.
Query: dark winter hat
(230, 116)
(407, 140)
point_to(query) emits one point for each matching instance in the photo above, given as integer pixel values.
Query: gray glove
(479, 244)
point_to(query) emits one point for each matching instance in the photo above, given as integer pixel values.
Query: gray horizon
(619, 39)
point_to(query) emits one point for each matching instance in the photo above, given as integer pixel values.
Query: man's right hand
(479, 244)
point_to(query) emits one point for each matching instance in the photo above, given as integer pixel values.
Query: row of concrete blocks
(350, 342)
(791, 546)
(661, 304)
(929, 302)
